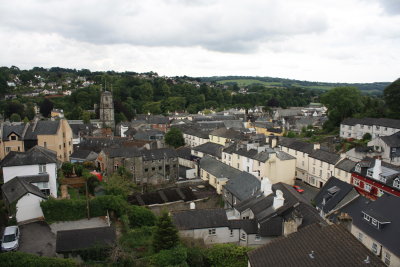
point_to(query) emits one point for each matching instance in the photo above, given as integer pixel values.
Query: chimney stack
(377, 169)
(266, 186)
(278, 200)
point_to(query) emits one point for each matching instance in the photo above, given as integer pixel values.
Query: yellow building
(53, 135)
(266, 128)
(223, 136)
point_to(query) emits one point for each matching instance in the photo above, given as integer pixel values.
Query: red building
(372, 178)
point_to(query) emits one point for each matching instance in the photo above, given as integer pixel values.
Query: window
(385, 128)
(212, 231)
(257, 238)
(358, 168)
(356, 182)
(396, 182)
(146, 170)
(302, 163)
(313, 170)
(248, 169)
(367, 187)
(387, 258)
(13, 137)
(159, 168)
(246, 217)
(313, 161)
(295, 152)
(153, 168)
(321, 164)
(367, 217)
(320, 173)
(42, 168)
(338, 172)
(8, 149)
(45, 144)
(370, 173)
(374, 222)
(231, 234)
(374, 248)
(238, 165)
(19, 149)
(377, 127)
(259, 163)
(360, 236)
(115, 167)
(243, 236)
(59, 146)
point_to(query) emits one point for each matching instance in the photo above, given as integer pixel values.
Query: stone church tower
(107, 110)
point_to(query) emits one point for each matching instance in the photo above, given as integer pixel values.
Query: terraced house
(53, 135)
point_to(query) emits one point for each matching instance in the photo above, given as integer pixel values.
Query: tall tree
(45, 107)
(166, 234)
(392, 98)
(342, 102)
(174, 138)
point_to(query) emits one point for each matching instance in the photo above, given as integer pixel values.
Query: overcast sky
(316, 40)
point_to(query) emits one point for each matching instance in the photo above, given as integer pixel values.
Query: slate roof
(149, 134)
(35, 155)
(325, 156)
(227, 133)
(297, 145)
(392, 140)
(37, 178)
(73, 240)
(17, 187)
(249, 226)
(373, 121)
(331, 245)
(284, 156)
(163, 196)
(8, 129)
(41, 128)
(195, 131)
(210, 148)
(184, 153)
(218, 168)
(333, 191)
(123, 152)
(161, 153)
(385, 207)
(80, 154)
(346, 165)
(243, 185)
(200, 219)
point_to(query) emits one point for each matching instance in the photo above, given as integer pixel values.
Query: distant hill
(244, 81)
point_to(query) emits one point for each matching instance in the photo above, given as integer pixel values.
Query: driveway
(37, 238)
(309, 191)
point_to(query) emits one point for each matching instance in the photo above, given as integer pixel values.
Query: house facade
(54, 135)
(357, 128)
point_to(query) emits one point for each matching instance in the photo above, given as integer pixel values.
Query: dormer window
(367, 217)
(358, 168)
(396, 182)
(382, 178)
(13, 137)
(374, 222)
(370, 173)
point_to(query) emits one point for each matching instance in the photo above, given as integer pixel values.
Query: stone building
(107, 109)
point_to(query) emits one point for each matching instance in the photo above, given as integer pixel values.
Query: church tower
(107, 110)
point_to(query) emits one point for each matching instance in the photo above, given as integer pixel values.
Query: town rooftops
(210, 148)
(243, 185)
(297, 145)
(17, 187)
(122, 152)
(41, 128)
(325, 156)
(227, 133)
(218, 168)
(373, 121)
(346, 165)
(184, 152)
(314, 245)
(200, 219)
(75, 240)
(378, 219)
(392, 140)
(84, 154)
(332, 193)
(35, 155)
(161, 153)
(36, 178)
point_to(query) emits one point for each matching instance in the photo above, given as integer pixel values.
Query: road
(309, 191)
(37, 238)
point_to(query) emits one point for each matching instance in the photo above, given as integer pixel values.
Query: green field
(247, 82)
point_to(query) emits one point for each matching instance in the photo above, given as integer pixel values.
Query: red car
(298, 189)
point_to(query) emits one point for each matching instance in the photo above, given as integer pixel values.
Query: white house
(26, 198)
(37, 166)
(357, 128)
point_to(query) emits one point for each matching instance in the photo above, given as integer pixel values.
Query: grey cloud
(392, 7)
(209, 24)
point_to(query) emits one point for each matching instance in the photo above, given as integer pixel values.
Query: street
(309, 191)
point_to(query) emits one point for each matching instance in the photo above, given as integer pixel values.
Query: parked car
(10, 240)
(298, 189)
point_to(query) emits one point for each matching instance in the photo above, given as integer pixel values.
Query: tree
(392, 98)
(174, 138)
(46, 107)
(166, 234)
(120, 183)
(15, 117)
(86, 117)
(67, 168)
(367, 137)
(342, 102)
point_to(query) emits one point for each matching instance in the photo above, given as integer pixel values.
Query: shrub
(67, 168)
(140, 216)
(227, 255)
(25, 259)
(172, 257)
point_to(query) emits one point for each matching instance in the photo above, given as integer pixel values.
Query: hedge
(75, 209)
(27, 260)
